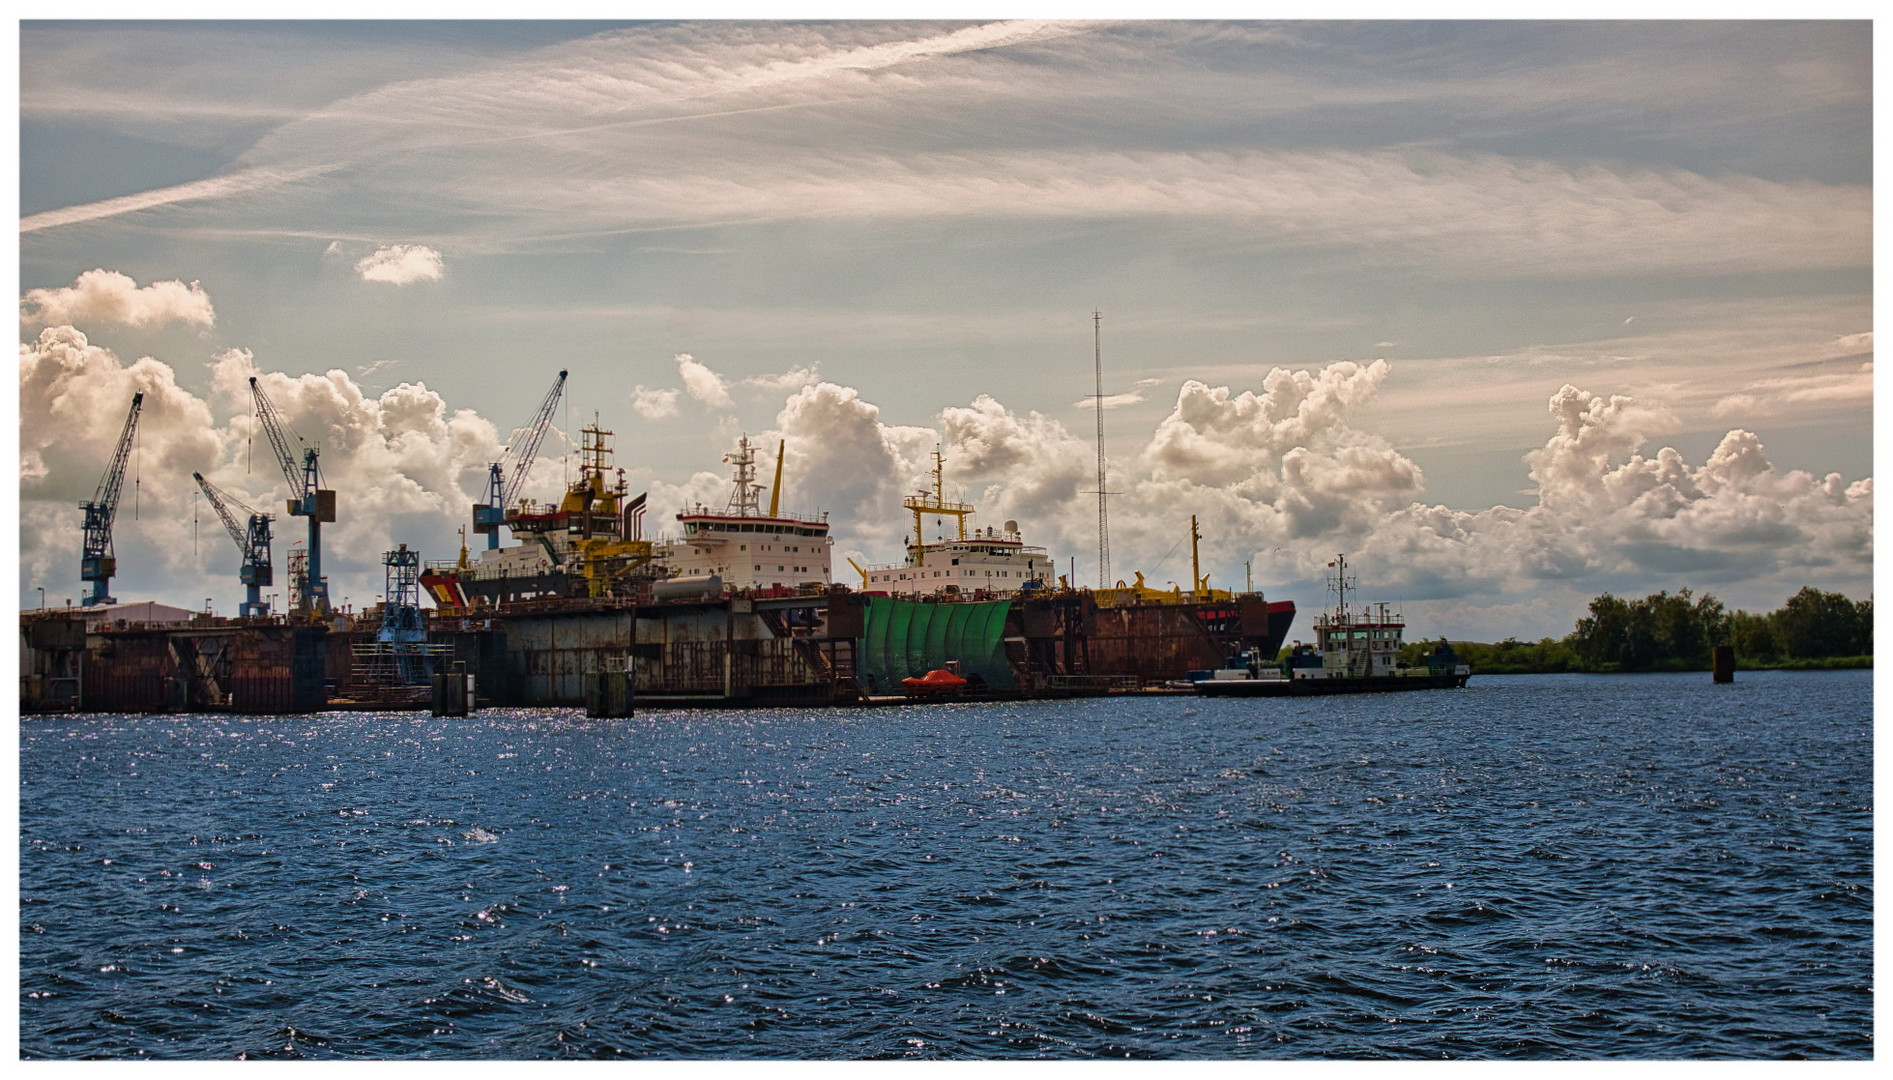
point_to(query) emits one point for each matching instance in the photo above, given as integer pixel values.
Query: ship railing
(807, 517)
(926, 505)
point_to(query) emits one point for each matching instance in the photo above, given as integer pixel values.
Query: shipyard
(734, 539)
(733, 605)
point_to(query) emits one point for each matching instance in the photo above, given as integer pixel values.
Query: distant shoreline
(1819, 663)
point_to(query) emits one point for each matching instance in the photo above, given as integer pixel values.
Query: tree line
(1665, 632)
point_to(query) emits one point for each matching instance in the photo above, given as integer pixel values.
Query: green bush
(1814, 630)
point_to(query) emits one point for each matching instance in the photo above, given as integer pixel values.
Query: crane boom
(96, 561)
(526, 445)
(507, 476)
(222, 502)
(278, 437)
(252, 539)
(308, 498)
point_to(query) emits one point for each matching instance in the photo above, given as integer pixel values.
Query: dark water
(1533, 867)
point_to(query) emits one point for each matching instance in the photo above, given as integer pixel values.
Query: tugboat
(1353, 654)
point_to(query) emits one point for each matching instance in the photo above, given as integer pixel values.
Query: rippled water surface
(1556, 866)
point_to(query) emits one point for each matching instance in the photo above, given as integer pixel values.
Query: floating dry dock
(827, 646)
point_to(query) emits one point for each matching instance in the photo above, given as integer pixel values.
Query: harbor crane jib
(307, 499)
(97, 563)
(252, 539)
(507, 476)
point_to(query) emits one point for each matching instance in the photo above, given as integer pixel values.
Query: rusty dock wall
(737, 650)
(209, 665)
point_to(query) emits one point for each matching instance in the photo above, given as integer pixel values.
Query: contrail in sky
(215, 187)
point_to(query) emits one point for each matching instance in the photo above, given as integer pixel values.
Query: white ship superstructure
(746, 547)
(990, 562)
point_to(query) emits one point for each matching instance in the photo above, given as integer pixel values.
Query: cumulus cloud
(654, 404)
(1279, 474)
(840, 456)
(792, 379)
(74, 397)
(702, 383)
(107, 296)
(1281, 478)
(1608, 517)
(405, 466)
(400, 264)
(1215, 436)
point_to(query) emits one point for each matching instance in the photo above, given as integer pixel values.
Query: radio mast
(1104, 523)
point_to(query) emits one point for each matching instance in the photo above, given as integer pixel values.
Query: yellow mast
(919, 504)
(775, 492)
(1196, 564)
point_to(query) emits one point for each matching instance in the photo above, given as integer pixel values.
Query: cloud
(654, 404)
(242, 182)
(841, 457)
(400, 264)
(1280, 476)
(702, 383)
(405, 466)
(1114, 401)
(1850, 345)
(107, 296)
(1216, 436)
(792, 379)
(706, 126)
(1769, 397)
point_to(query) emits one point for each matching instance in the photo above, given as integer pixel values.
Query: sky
(1511, 313)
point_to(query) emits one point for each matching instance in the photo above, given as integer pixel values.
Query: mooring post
(1725, 663)
(451, 691)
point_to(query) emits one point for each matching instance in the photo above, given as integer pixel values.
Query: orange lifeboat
(937, 682)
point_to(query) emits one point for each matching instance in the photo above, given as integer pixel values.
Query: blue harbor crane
(97, 563)
(253, 540)
(403, 633)
(307, 497)
(507, 476)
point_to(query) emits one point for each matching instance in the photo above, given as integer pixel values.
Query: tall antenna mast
(1104, 523)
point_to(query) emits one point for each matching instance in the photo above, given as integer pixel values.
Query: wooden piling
(1725, 663)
